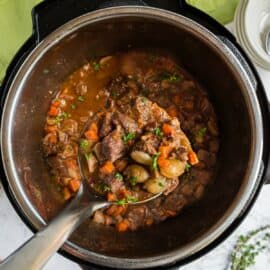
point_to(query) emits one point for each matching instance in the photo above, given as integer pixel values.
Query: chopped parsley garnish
(175, 78)
(118, 176)
(126, 200)
(102, 187)
(128, 137)
(131, 199)
(154, 161)
(96, 66)
(81, 98)
(133, 180)
(201, 132)
(158, 132)
(115, 94)
(121, 202)
(160, 184)
(170, 77)
(84, 144)
(144, 99)
(59, 118)
(188, 166)
(73, 106)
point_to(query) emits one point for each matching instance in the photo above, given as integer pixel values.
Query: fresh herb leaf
(84, 144)
(158, 132)
(131, 199)
(188, 166)
(81, 98)
(96, 66)
(175, 78)
(248, 247)
(118, 176)
(59, 118)
(144, 99)
(73, 106)
(115, 94)
(121, 202)
(154, 161)
(160, 184)
(128, 137)
(102, 187)
(133, 180)
(201, 132)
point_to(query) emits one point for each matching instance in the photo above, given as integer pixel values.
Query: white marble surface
(13, 231)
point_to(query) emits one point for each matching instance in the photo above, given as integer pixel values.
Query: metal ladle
(41, 246)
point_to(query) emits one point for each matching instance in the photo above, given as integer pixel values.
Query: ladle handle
(37, 250)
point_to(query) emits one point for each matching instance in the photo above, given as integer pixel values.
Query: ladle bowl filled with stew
(167, 108)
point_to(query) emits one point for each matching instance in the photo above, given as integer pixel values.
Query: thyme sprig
(247, 248)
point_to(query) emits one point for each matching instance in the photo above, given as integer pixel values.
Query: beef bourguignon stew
(150, 129)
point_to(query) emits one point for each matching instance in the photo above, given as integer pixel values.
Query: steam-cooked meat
(112, 146)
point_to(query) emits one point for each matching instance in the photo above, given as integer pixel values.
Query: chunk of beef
(70, 127)
(112, 147)
(147, 112)
(126, 122)
(148, 143)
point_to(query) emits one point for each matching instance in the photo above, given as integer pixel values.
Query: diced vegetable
(92, 133)
(53, 111)
(167, 129)
(137, 171)
(141, 157)
(193, 159)
(165, 151)
(173, 168)
(155, 185)
(74, 185)
(107, 168)
(122, 226)
(66, 194)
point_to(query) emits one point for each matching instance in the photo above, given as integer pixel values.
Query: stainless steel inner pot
(231, 90)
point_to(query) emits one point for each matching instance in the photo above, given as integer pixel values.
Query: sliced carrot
(107, 168)
(172, 111)
(163, 162)
(116, 210)
(53, 111)
(53, 138)
(56, 103)
(92, 133)
(74, 185)
(164, 151)
(122, 226)
(66, 194)
(111, 197)
(167, 129)
(123, 193)
(192, 157)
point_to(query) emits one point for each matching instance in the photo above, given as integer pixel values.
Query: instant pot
(66, 34)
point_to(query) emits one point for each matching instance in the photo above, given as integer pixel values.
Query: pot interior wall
(104, 38)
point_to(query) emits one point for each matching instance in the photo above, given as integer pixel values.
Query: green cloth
(15, 22)
(221, 10)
